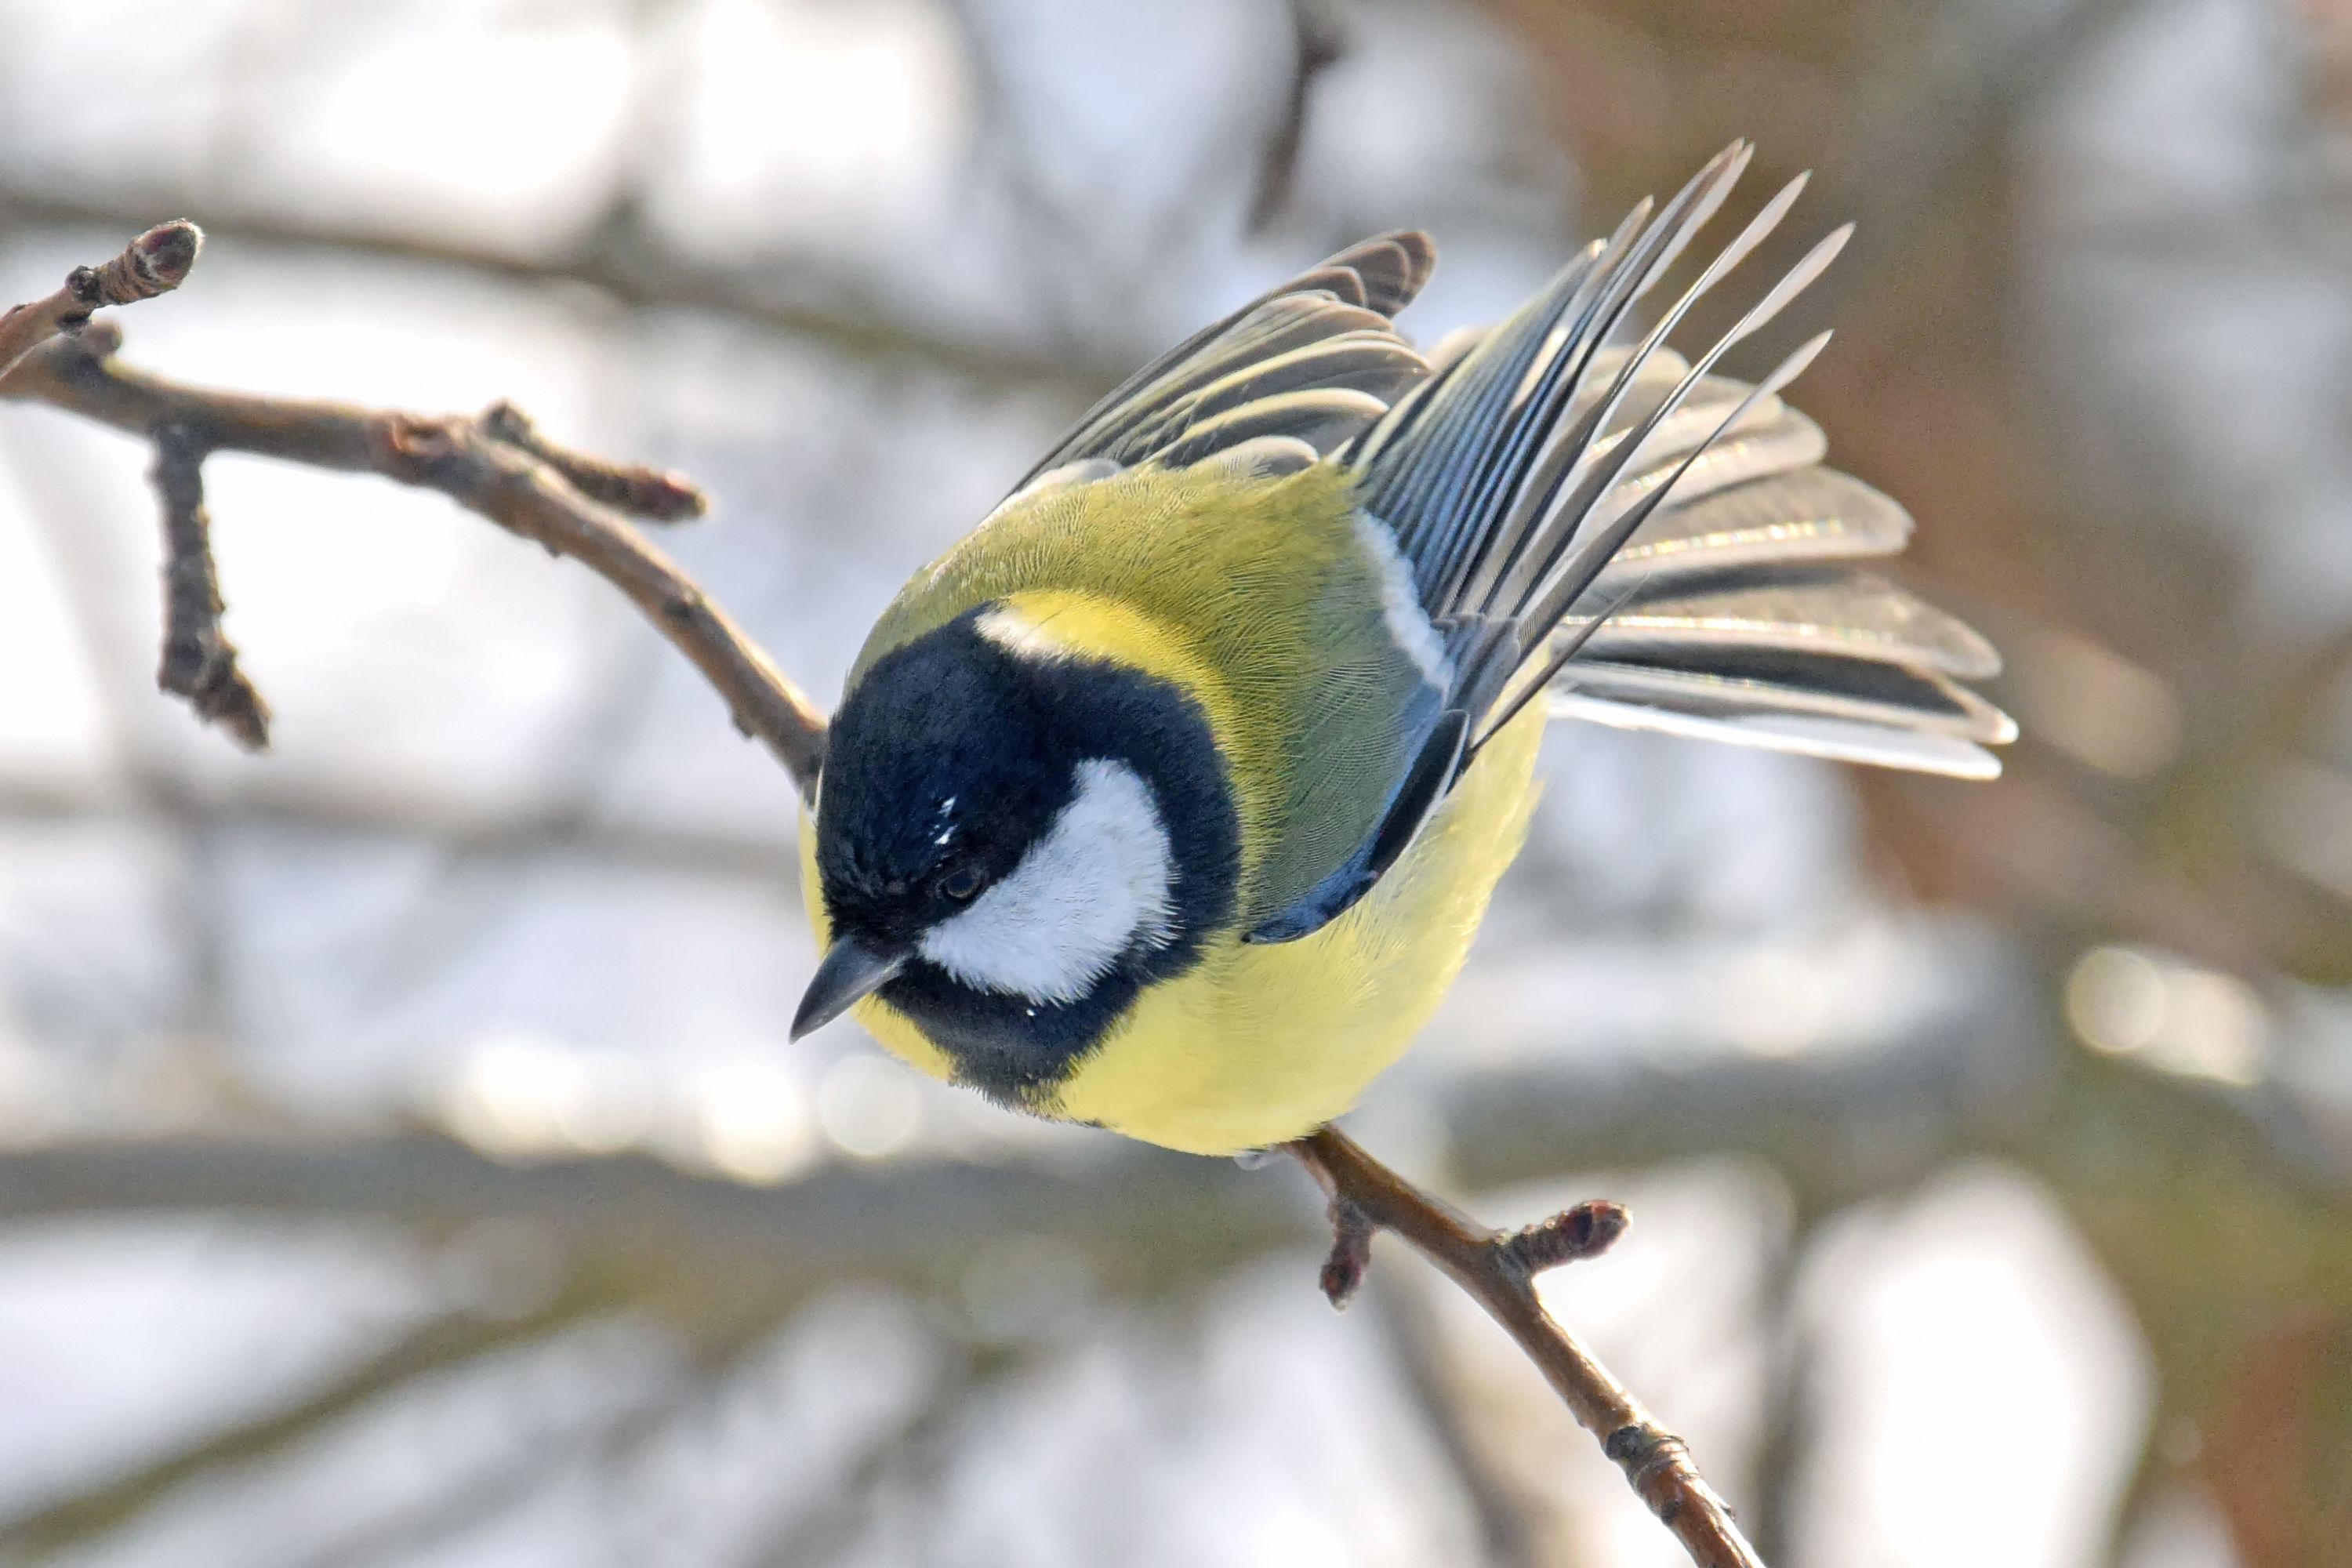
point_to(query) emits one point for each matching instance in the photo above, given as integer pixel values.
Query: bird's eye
(962, 884)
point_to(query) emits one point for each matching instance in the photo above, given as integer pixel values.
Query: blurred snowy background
(401, 1158)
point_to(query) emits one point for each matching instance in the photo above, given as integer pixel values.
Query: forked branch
(495, 464)
(1497, 1269)
(501, 467)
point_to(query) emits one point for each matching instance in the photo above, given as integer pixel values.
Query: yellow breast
(1258, 1044)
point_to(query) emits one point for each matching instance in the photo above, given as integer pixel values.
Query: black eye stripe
(960, 884)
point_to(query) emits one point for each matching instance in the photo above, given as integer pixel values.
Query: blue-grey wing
(1636, 538)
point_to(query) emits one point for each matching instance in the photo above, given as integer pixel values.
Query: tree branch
(1497, 1269)
(495, 465)
(199, 662)
(152, 793)
(439, 1343)
(1318, 42)
(619, 260)
(154, 264)
(648, 494)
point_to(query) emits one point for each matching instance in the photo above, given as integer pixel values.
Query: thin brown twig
(155, 263)
(468, 459)
(435, 1345)
(1319, 43)
(199, 662)
(652, 495)
(622, 263)
(1497, 1269)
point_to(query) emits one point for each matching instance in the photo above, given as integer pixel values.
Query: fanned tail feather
(1620, 533)
(1656, 545)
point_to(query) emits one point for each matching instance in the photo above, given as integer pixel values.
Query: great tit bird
(1169, 799)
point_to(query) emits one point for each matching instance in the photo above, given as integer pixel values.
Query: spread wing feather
(1623, 532)
(1822, 685)
(1811, 514)
(1831, 609)
(1651, 542)
(1328, 328)
(1843, 741)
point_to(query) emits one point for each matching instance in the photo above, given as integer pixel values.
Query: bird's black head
(1013, 842)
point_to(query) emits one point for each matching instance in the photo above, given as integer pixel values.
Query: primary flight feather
(1170, 798)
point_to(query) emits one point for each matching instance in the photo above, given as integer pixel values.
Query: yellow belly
(1258, 1044)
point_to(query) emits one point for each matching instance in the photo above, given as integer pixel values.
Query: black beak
(850, 971)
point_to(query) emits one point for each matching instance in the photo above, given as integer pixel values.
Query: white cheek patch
(1095, 885)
